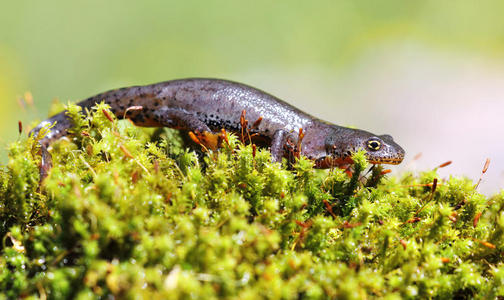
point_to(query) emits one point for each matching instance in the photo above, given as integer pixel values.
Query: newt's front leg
(277, 145)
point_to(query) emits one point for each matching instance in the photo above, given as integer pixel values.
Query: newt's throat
(332, 161)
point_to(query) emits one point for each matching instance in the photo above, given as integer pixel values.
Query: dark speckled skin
(212, 104)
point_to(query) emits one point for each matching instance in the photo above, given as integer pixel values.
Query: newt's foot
(206, 139)
(347, 169)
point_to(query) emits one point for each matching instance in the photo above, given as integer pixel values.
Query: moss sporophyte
(130, 212)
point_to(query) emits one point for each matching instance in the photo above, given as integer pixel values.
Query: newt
(206, 106)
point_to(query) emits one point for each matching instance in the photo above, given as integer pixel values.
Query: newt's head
(339, 146)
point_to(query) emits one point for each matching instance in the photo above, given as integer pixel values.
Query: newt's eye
(374, 145)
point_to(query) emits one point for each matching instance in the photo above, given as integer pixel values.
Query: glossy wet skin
(205, 106)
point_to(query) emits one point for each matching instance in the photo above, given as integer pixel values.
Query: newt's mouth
(389, 161)
(332, 161)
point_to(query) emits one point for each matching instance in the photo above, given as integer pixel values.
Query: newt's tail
(62, 124)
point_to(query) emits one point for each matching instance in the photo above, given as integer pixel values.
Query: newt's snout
(383, 150)
(379, 149)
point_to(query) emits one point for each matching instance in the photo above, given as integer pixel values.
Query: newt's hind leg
(178, 119)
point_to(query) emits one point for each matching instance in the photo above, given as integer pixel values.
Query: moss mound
(128, 213)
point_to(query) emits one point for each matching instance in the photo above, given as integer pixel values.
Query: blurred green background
(302, 51)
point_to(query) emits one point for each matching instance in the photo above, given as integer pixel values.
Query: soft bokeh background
(431, 73)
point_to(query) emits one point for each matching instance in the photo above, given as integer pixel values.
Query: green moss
(129, 212)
